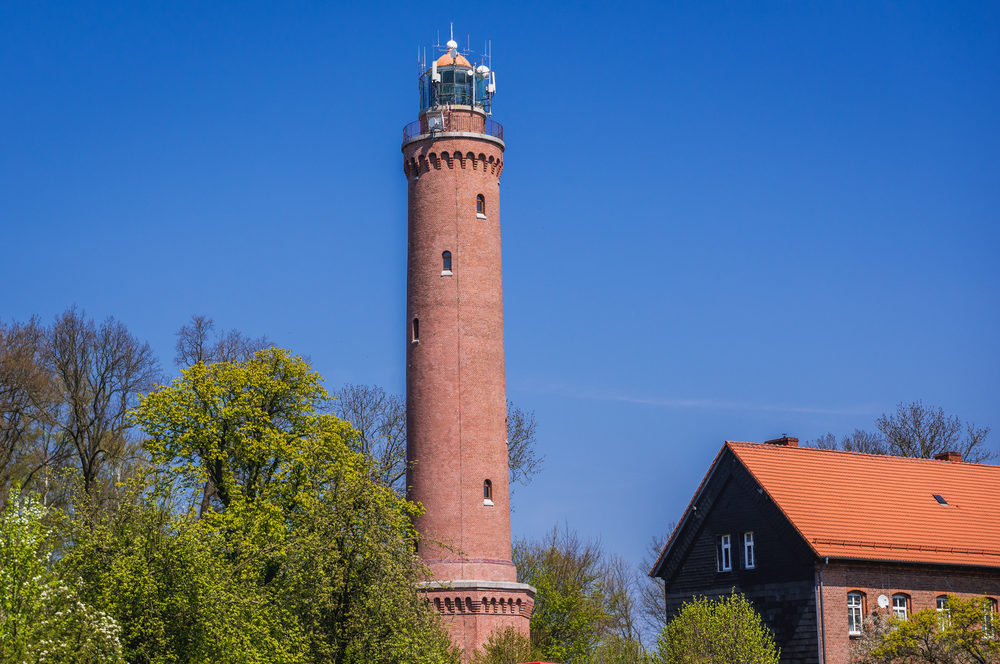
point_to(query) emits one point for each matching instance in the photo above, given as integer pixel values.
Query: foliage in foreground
(966, 633)
(42, 619)
(255, 535)
(721, 631)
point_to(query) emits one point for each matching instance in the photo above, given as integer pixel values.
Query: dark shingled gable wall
(781, 586)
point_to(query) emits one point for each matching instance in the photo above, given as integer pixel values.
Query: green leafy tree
(176, 584)
(964, 633)
(42, 620)
(717, 631)
(616, 649)
(505, 646)
(572, 606)
(294, 511)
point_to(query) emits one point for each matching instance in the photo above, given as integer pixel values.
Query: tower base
(473, 609)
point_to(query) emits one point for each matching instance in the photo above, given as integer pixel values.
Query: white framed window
(749, 553)
(900, 606)
(989, 616)
(724, 551)
(855, 612)
(944, 615)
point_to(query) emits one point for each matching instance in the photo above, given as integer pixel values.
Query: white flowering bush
(42, 620)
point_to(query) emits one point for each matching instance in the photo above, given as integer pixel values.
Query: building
(820, 540)
(456, 416)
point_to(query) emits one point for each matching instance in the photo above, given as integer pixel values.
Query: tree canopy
(717, 631)
(916, 430)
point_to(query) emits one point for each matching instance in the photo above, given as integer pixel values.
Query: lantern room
(452, 80)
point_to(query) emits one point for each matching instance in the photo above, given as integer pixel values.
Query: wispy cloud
(690, 403)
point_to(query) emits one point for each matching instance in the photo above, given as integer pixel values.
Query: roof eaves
(900, 561)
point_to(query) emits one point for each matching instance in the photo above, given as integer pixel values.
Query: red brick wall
(455, 385)
(922, 583)
(472, 615)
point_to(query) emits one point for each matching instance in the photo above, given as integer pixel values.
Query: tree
(505, 646)
(24, 390)
(923, 431)
(651, 598)
(916, 430)
(380, 420)
(176, 584)
(252, 428)
(98, 374)
(522, 460)
(963, 634)
(296, 513)
(721, 631)
(197, 342)
(42, 620)
(584, 597)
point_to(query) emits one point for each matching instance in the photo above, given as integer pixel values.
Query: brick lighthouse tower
(455, 388)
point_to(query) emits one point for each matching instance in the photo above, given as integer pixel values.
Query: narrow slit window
(415, 331)
(446, 262)
(480, 204)
(749, 554)
(487, 492)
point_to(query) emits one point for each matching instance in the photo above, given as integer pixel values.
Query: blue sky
(721, 220)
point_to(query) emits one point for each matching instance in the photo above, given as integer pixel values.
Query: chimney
(948, 456)
(785, 440)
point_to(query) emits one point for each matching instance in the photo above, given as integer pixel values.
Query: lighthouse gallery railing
(464, 122)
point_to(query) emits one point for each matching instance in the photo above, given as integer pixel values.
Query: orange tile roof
(850, 505)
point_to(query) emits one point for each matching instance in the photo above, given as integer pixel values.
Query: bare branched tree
(651, 598)
(863, 441)
(380, 420)
(523, 461)
(198, 342)
(98, 374)
(24, 391)
(922, 431)
(916, 430)
(621, 590)
(17, 370)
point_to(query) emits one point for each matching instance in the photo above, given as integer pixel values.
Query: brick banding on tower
(455, 384)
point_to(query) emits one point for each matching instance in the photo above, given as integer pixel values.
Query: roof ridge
(895, 457)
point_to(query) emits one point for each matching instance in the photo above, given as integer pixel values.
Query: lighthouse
(456, 401)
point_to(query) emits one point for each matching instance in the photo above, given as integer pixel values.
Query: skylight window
(940, 499)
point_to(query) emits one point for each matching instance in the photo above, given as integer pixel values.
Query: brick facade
(922, 584)
(455, 385)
